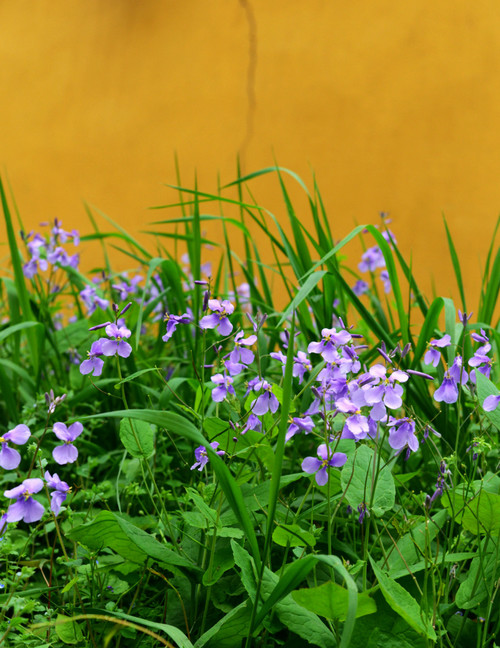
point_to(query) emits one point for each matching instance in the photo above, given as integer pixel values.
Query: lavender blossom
(94, 364)
(448, 391)
(224, 386)
(60, 491)
(432, 355)
(218, 319)
(201, 455)
(320, 466)
(25, 507)
(118, 345)
(402, 434)
(330, 341)
(66, 453)
(265, 402)
(172, 322)
(10, 458)
(491, 402)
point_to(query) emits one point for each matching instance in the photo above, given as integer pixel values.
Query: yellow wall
(395, 105)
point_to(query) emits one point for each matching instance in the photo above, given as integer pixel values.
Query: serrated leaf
(331, 601)
(357, 477)
(403, 603)
(137, 437)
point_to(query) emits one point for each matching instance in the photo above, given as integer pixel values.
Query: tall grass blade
(456, 265)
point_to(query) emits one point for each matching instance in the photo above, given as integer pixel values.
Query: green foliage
(188, 519)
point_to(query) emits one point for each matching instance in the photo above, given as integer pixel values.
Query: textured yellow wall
(395, 105)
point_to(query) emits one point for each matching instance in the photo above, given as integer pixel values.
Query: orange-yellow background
(395, 105)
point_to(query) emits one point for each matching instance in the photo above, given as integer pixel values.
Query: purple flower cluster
(46, 251)
(114, 344)
(25, 507)
(456, 375)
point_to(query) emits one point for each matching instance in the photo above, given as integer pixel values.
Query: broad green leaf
(478, 514)
(303, 622)
(137, 437)
(134, 544)
(411, 547)
(486, 388)
(178, 425)
(68, 631)
(293, 536)
(379, 638)
(276, 590)
(331, 601)
(403, 603)
(222, 560)
(483, 573)
(362, 484)
(229, 631)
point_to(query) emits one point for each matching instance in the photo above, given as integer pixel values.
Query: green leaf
(331, 601)
(483, 572)
(358, 480)
(411, 547)
(134, 544)
(137, 437)
(486, 388)
(478, 514)
(177, 424)
(67, 630)
(229, 631)
(296, 618)
(403, 603)
(222, 560)
(293, 536)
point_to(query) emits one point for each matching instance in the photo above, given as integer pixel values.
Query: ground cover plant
(281, 451)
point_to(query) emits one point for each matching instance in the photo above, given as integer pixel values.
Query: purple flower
(457, 372)
(25, 507)
(224, 386)
(253, 423)
(360, 287)
(172, 321)
(33, 266)
(201, 455)
(118, 345)
(387, 393)
(299, 424)
(372, 259)
(93, 364)
(66, 453)
(60, 491)
(326, 460)
(91, 299)
(402, 434)
(490, 402)
(384, 275)
(10, 458)
(448, 391)
(433, 356)
(265, 402)
(240, 355)
(329, 343)
(218, 319)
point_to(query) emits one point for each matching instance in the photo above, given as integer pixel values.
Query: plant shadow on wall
(186, 462)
